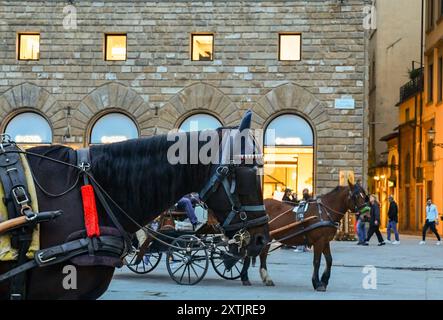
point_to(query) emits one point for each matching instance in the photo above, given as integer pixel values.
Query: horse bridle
(353, 196)
(221, 177)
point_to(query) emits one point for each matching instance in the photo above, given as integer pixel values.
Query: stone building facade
(158, 85)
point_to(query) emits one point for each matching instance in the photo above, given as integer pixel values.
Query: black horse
(140, 179)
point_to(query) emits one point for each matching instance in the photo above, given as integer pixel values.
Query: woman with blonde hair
(374, 221)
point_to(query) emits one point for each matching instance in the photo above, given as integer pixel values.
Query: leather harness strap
(17, 202)
(84, 162)
(220, 176)
(66, 251)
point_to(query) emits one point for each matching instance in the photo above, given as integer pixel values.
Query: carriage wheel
(189, 264)
(218, 257)
(148, 263)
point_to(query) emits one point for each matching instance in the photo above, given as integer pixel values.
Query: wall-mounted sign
(346, 103)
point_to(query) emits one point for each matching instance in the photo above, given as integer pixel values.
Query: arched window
(29, 127)
(289, 130)
(113, 127)
(199, 122)
(289, 157)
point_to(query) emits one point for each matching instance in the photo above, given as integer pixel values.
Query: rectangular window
(202, 47)
(430, 14)
(29, 46)
(440, 78)
(115, 47)
(429, 186)
(431, 82)
(289, 47)
(407, 115)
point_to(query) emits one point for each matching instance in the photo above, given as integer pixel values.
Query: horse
(139, 178)
(329, 209)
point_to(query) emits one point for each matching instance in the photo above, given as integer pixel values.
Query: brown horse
(318, 228)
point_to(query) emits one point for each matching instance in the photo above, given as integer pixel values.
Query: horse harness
(329, 222)
(17, 201)
(221, 178)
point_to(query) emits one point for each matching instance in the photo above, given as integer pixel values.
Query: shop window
(29, 128)
(113, 127)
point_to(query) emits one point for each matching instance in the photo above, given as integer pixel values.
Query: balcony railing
(412, 87)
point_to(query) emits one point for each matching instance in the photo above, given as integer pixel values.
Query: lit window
(29, 127)
(28, 46)
(115, 47)
(113, 127)
(202, 47)
(289, 47)
(199, 122)
(289, 130)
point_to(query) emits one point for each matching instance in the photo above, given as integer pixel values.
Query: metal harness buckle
(20, 196)
(43, 261)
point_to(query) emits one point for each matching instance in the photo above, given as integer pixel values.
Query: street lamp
(431, 136)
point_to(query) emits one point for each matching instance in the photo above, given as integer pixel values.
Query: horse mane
(138, 176)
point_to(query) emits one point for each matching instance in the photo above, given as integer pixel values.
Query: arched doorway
(289, 156)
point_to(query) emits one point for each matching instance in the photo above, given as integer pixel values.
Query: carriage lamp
(431, 137)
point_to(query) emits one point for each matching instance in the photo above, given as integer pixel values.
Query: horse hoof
(321, 288)
(246, 283)
(269, 283)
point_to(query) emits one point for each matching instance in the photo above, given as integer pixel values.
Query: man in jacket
(431, 221)
(374, 221)
(393, 221)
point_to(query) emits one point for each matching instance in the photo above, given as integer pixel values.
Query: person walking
(393, 221)
(374, 221)
(362, 217)
(431, 221)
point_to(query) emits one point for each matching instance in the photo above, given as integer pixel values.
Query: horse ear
(246, 121)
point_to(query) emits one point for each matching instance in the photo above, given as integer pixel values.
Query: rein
(84, 169)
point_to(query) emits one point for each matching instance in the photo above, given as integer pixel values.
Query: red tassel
(90, 211)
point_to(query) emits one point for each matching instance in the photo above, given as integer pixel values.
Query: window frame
(19, 42)
(105, 51)
(202, 34)
(290, 34)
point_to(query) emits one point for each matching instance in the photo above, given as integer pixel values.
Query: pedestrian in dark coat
(393, 220)
(374, 221)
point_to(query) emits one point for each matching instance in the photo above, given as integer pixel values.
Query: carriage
(187, 253)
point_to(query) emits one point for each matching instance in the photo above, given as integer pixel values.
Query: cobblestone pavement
(407, 271)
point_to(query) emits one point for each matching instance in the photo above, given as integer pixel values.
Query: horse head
(358, 198)
(238, 200)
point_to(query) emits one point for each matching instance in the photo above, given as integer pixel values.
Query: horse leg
(244, 272)
(328, 257)
(318, 249)
(263, 268)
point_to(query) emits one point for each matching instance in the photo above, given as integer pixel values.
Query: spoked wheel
(189, 264)
(220, 260)
(149, 261)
